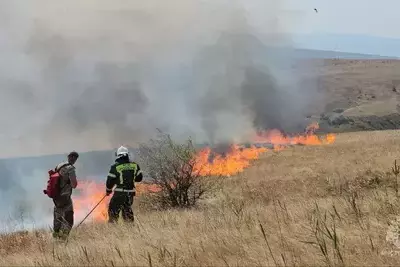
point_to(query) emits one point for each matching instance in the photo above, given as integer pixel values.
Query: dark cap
(73, 154)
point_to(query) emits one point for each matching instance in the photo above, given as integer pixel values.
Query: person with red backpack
(59, 187)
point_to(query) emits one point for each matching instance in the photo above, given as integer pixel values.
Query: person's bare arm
(72, 177)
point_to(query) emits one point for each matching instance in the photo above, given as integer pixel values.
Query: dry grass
(322, 205)
(347, 83)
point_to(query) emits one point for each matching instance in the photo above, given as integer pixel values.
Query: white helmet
(122, 151)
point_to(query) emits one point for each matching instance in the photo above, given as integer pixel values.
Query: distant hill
(94, 163)
(301, 53)
(359, 46)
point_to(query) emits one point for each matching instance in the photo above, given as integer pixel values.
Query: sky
(367, 27)
(377, 18)
(345, 26)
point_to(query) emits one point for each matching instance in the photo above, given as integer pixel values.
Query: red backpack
(53, 184)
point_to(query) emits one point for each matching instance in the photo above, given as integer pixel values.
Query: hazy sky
(379, 18)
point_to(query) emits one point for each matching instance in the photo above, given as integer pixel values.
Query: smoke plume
(94, 74)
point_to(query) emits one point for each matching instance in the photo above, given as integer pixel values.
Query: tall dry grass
(322, 205)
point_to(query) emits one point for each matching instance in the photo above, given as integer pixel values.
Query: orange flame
(89, 194)
(276, 137)
(236, 160)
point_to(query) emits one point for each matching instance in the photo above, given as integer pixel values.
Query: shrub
(173, 168)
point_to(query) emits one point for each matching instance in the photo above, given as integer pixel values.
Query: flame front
(277, 138)
(207, 163)
(235, 161)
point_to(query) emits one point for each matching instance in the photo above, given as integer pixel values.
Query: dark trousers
(121, 201)
(63, 216)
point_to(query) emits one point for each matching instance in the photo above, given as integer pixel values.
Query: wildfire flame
(277, 138)
(234, 161)
(89, 194)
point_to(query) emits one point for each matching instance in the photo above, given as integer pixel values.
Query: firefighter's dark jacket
(124, 174)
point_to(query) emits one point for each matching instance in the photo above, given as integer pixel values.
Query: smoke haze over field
(90, 75)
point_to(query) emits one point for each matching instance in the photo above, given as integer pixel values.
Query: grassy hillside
(353, 95)
(306, 205)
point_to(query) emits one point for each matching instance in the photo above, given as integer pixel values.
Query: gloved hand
(108, 192)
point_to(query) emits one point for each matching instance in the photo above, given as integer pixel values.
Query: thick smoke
(94, 74)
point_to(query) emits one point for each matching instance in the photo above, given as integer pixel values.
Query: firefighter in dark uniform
(123, 174)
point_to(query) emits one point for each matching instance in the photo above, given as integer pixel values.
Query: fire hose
(101, 200)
